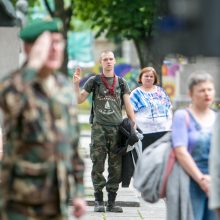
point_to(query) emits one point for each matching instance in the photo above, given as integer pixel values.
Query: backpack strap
(94, 86)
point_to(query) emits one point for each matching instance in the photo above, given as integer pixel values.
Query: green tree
(126, 19)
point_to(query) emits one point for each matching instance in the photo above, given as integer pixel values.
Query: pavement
(134, 207)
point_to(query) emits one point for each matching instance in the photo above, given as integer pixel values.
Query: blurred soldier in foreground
(1, 143)
(41, 168)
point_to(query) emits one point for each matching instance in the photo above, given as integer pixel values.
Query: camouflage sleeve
(1, 193)
(28, 74)
(5, 170)
(78, 166)
(1, 143)
(13, 96)
(14, 90)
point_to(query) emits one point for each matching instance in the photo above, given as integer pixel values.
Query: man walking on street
(41, 133)
(107, 108)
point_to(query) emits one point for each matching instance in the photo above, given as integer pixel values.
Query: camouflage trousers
(104, 139)
(11, 215)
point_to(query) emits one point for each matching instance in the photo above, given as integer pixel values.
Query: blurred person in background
(108, 99)
(1, 143)
(192, 143)
(152, 107)
(214, 161)
(41, 132)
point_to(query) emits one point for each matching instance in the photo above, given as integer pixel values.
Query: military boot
(99, 204)
(111, 207)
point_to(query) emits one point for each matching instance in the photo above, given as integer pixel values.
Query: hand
(204, 183)
(79, 206)
(76, 76)
(39, 51)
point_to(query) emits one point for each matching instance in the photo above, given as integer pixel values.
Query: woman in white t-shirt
(152, 107)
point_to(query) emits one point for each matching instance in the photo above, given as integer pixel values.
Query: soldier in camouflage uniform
(41, 168)
(105, 127)
(1, 143)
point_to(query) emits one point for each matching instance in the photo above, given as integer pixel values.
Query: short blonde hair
(105, 52)
(146, 70)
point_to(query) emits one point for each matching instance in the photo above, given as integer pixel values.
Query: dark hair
(146, 70)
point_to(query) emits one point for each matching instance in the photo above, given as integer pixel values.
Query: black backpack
(96, 84)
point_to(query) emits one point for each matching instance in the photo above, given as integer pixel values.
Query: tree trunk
(148, 56)
(64, 67)
(65, 15)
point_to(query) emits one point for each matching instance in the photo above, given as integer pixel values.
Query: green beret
(35, 28)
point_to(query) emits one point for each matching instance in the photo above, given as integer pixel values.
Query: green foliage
(30, 2)
(122, 18)
(78, 25)
(13, 2)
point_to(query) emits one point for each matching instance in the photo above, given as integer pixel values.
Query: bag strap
(190, 115)
(94, 86)
(122, 88)
(197, 125)
(168, 168)
(170, 162)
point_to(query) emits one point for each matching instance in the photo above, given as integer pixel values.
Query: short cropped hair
(198, 77)
(146, 70)
(105, 52)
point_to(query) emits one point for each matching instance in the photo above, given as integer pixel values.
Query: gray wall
(9, 52)
(211, 65)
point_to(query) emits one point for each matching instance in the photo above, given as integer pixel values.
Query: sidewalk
(134, 208)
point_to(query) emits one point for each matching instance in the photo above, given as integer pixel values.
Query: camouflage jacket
(41, 164)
